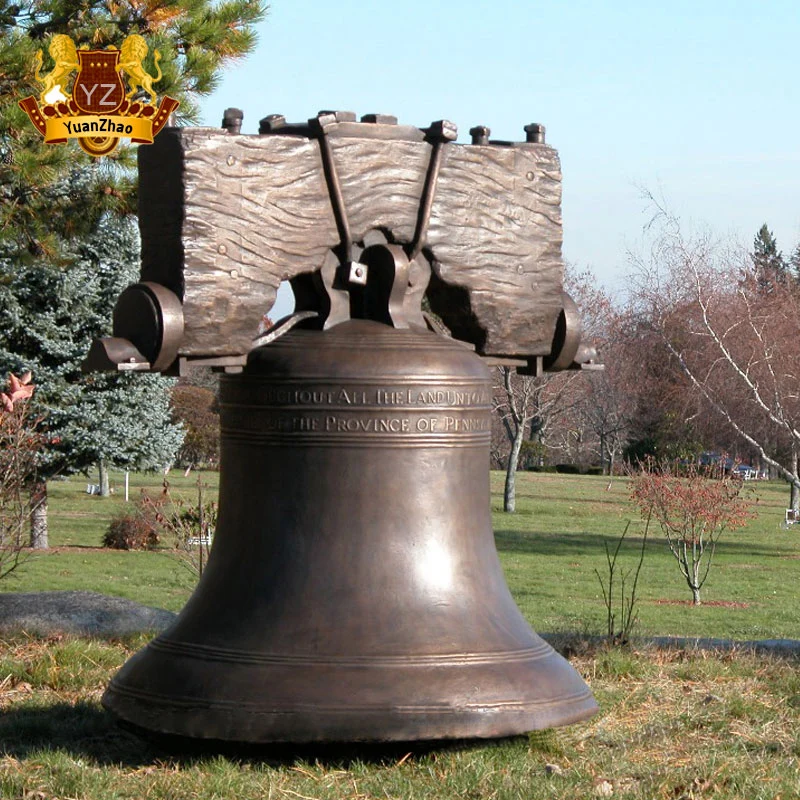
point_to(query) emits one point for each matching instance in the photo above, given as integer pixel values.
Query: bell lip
(544, 691)
(315, 749)
(384, 725)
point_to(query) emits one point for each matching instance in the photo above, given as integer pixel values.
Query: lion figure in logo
(132, 54)
(62, 51)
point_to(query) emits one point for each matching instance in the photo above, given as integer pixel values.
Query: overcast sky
(694, 101)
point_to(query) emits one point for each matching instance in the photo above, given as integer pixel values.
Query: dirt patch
(719, 603)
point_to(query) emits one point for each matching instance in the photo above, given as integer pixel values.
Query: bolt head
(480, 134)
(442, 131)
(534, 132)
(271, 123)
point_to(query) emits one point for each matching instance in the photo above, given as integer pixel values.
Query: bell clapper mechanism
(353, 592)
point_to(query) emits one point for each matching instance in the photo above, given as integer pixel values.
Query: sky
(693, 102)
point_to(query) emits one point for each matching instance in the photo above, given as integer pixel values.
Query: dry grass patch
(673, 724)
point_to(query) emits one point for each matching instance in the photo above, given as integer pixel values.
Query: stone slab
(78, 613)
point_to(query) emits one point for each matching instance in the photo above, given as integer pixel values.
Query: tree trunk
(794, 486)
(38, 505)
(510, 493)
(103, 470)
(695, 596)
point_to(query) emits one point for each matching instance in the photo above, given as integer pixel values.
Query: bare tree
(738, 345)
(527, 407)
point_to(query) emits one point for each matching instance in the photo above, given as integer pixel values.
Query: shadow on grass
(86, 731)
(575, 544)
(563, 544)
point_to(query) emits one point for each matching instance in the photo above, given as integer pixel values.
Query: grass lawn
(549, 549)
(676, 725)
(672, 726)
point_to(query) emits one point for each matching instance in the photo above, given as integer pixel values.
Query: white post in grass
(126, 486)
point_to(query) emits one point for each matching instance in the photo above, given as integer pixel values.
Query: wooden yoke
(225, 218)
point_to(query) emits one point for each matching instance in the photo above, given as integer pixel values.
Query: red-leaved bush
(694, 507)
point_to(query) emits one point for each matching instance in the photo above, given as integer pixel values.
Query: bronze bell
(353, 591)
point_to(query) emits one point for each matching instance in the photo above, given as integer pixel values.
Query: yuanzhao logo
(97, 111)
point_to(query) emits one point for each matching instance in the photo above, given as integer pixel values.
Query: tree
(738, 346)
(608, 397)
(794, 264)
(51, 317)
(195, 408)
(196, 40)
(20, 443)
(527, 406)
(768, 264)
(694, 510)
(57, 204)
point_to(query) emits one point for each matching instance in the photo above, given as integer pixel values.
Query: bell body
(353, 591)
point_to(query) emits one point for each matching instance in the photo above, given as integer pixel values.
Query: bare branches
(20, 443)
(735, 340)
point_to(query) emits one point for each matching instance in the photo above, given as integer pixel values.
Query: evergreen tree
(196, 40)
(794, 263)
(768, 263)
(50, 316)
(66, 250)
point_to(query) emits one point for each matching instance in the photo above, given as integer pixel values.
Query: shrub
(187, 529)
(21, 442)
(131, 531)
(693, 509)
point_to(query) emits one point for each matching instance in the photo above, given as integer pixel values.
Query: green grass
(551, 547)
(549, 550)
(672, 725)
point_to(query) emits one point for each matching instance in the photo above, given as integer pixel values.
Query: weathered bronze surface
(353, 590)
(226, 217)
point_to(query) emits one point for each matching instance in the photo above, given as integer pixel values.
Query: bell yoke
(353, 592)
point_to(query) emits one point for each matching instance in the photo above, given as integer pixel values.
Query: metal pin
(480, 134)
(232, 120)
(534, 133)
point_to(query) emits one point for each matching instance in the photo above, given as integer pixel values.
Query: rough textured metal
(225, 219)
(480, 134)
(353, 590)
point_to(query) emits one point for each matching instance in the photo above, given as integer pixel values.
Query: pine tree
(196, 40)
(65, 247)
(768, 263)
(794, 263)
(50, 316)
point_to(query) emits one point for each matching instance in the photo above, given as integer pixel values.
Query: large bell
(353, 592)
